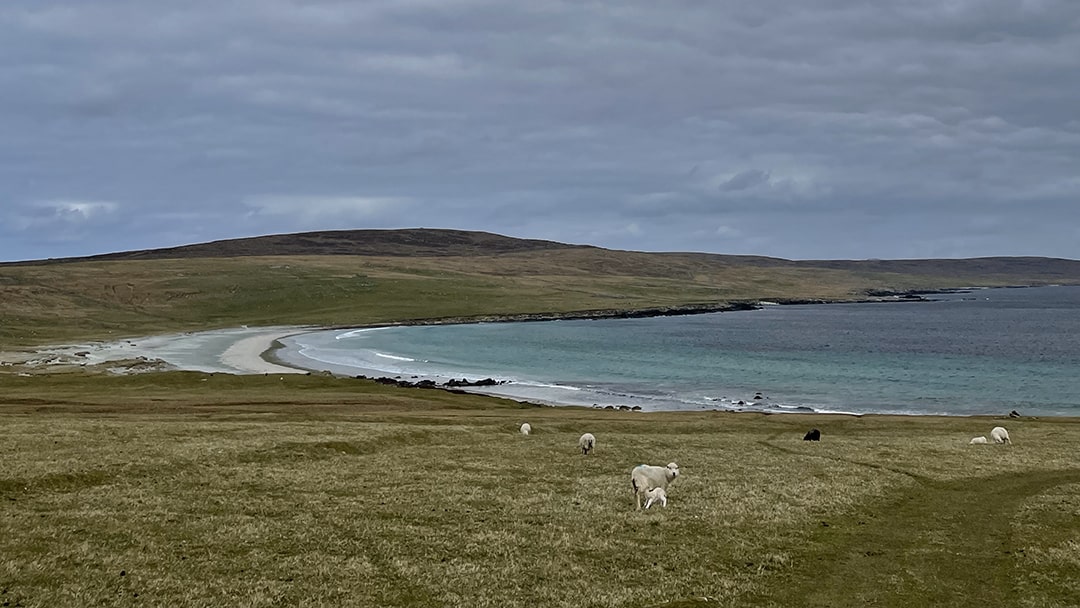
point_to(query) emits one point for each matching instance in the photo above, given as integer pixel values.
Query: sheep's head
(674, 468)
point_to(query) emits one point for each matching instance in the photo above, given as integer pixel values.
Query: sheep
(812, 435)
(586, 443)
(656, 495)
(526, 429)
(1000, 435)
(645, 477)
(980, 439)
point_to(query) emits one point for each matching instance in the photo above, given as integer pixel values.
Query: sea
(972, 352)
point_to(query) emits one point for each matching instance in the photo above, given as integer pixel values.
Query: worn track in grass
(938, 544)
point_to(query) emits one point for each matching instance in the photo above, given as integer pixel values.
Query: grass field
(188, 489)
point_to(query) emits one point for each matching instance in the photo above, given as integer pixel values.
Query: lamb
(526, 429)
(979, 439)
(586, 443)
(1000, 435)
(656, 495)
(645, 477)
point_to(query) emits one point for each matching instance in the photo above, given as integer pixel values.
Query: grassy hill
(379, 276)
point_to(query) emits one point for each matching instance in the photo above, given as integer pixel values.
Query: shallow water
(982, 352)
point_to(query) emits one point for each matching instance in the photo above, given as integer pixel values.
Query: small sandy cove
(236, 350)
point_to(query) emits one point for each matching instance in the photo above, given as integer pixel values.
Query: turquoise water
(982, 352)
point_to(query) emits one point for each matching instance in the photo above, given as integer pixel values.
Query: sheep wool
(656, 495)
(645, 477)
(1000, 435)
(526, 429)
(586, 443)
(979, 439)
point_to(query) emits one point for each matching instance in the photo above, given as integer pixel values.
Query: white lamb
(586, 443)
(645, 477)
(526, 429)
(1000, 435)
(979, 439)
(656, 495)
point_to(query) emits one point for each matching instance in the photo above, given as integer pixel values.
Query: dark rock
(1014, 414)
(812, 435)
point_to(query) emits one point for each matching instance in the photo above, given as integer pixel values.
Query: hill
(367, 277)
(423, 242)
(405, 243)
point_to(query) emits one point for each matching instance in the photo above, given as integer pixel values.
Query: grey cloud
(765, 127)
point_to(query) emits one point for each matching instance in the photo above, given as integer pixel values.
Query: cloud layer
(817, 129)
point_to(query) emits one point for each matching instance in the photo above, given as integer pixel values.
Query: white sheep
(586, 443)
(526, 429)
(979, 439)
(645, 477)
(1000, 435)
(657, 494)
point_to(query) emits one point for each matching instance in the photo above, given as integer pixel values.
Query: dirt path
(939, 544)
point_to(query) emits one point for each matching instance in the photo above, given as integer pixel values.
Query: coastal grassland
(64, 302)
(190, 489)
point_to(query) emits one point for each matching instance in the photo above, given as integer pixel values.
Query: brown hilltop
(429, 242)
(404, 242)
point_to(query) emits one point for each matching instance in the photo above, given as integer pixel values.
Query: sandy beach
(245, 355)
(235, 350)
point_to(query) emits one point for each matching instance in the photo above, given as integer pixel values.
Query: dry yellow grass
(186, 489)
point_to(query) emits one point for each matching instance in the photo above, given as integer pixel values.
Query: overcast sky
(800, 129)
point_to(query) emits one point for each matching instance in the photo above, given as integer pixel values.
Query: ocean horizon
(977, 352)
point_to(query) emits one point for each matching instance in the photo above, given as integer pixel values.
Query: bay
(987, 351)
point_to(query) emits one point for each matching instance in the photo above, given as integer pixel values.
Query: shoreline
(252, 354)
(247, 350)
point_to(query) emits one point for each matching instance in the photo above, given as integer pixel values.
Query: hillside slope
(368, 277)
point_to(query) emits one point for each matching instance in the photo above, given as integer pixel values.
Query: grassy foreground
(188, 489)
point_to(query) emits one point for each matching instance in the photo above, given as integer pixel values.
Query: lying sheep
(656, 495)
(526, 429)
(812, 435)
(645, 477)
(586, 443)
(979, 439)
(1000, 435)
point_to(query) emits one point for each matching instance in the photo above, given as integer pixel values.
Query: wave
(393, 357)
(356, 332)
(533, 384)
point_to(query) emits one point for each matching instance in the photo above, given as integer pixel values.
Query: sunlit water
(983, 352)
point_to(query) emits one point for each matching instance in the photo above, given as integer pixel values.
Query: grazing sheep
(645, 477)
(656, 495)
(1000, 435)
(812, 435)
(526, 429)
(979, 439)
(586, 443)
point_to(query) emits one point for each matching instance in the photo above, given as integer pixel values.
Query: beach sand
(245, 355)
(234, 351)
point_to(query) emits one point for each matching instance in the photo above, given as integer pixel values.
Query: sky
(809, 129)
